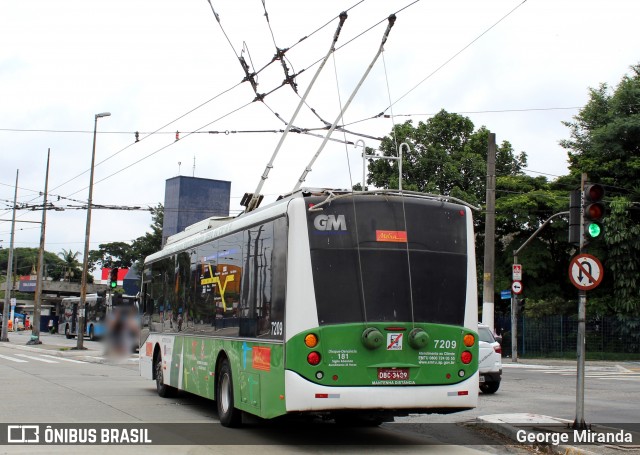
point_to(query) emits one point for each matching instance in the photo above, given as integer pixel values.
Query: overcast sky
(149, 63)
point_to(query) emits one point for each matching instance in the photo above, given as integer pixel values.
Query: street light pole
(85, 258)
(514, 298)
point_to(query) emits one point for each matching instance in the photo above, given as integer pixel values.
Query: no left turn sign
(516, 287)
(585, 272)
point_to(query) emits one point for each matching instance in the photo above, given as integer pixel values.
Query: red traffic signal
(593, 207)
(593, 192)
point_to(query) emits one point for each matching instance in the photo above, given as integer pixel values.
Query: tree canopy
(447, 155)
(605, 144)
(124, 255)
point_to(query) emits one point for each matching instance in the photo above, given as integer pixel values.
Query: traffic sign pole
(579, 423)
(514, 319)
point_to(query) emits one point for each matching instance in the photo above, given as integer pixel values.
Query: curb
(55, 350)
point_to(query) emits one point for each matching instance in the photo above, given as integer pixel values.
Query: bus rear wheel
(164, 390)
(67, 333)
(229, 416)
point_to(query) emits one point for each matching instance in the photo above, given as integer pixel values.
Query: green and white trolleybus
(358, 306)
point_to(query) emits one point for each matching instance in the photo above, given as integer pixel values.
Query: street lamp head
(103, 114)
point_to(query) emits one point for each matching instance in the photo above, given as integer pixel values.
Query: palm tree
(71, 263)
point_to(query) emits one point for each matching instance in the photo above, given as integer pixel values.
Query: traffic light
(113, 278)
(593, 211)
(574, 217)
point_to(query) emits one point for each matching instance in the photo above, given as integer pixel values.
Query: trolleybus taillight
(313, 358)
(466, 357)
(469, 340)
(311, 340)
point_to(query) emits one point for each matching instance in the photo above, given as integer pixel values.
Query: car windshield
(486, 335)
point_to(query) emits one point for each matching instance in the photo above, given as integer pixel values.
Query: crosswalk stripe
(36, 358)
(62, 358)
(617, 375)
(12, 359)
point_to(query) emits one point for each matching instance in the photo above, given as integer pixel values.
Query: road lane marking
(35, 358)
(12, 359)
(62, 358)
(619, 375)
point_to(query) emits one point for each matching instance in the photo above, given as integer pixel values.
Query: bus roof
(214, 227)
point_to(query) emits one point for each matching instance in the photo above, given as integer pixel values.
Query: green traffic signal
(594, 230)
(593, 211)
(113, 284)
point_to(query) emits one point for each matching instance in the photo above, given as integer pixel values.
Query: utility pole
(85, 258)
(7, 292)
(488, 306)
(37, 303)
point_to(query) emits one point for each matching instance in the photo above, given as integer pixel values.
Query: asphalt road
(51, 389)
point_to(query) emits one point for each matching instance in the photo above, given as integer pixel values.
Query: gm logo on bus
(330, 223)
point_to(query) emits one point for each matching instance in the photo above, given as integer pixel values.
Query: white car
(490, 361)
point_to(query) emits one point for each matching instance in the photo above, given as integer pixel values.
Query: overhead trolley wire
(164, 147)
(255, 197)
(150, 134)
(327, 125)
(454, 56)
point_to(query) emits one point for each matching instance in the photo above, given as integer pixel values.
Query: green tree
(26, 260)
(446, 156)
(605, 143)
(125, 255)
(114, 254)
(150, 242)
(71, 266)
(605, 135)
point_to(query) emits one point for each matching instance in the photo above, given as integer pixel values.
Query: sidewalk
(56, 345)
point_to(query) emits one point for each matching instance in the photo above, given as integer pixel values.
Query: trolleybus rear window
(368, 265)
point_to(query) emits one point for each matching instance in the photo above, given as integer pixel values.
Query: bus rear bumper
(303, 395)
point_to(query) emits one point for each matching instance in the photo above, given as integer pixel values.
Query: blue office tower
(188, 200)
